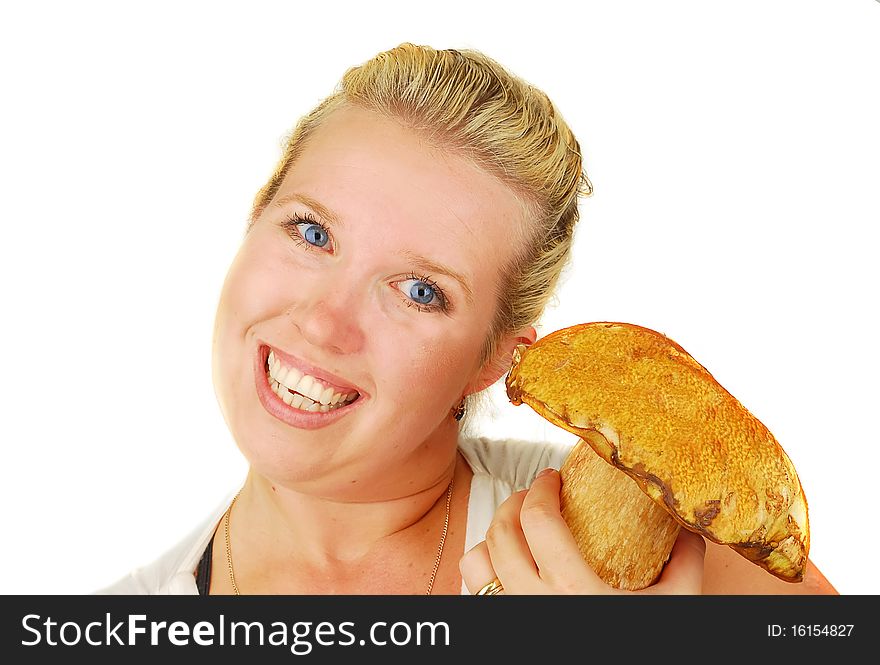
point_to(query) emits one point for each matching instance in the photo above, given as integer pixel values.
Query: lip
(287, 414)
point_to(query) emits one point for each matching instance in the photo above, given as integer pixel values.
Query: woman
(409, 239)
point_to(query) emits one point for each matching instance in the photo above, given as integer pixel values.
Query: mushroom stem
(622, 533)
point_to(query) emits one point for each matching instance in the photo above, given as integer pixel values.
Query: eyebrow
(319, 208)
(426, 264)
(420, 262)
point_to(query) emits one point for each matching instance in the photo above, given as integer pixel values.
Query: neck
(324, 530)
(324, 526)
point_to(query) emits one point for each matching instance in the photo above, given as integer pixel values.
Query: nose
(328, 321)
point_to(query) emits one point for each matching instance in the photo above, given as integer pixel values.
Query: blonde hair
(466, 102)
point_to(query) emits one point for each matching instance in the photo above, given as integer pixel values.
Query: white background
(735, 153)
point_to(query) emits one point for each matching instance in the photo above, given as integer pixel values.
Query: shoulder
(513, 462)
(502, 467)
(728, 573)
(172, 572)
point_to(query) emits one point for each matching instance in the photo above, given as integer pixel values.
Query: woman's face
(374, 270)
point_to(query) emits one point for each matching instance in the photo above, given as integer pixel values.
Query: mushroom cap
(669, 425)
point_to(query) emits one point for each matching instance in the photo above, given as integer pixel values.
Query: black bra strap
(203, 572)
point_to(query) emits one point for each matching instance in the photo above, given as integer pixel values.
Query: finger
(508, 549)
(684, 572)
(476, 567)
(554, 549)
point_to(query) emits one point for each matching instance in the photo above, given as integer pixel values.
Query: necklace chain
(228, 548)
(442, 539)
(433, 572)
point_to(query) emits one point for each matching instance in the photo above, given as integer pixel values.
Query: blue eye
(316, 235)
(422, 293)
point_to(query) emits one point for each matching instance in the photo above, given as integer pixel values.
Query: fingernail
(545, 472)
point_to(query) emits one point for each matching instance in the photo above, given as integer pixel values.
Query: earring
(458, 411)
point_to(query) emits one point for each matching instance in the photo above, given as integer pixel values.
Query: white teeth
(293, 378)
(304, 385)
(303, 403)
(315, 391)
(311, 391)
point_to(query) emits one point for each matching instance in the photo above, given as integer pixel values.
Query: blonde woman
(410, 237)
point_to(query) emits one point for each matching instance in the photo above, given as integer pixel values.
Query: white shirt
(500, 467)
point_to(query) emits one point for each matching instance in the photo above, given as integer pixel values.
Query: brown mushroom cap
(666, 423)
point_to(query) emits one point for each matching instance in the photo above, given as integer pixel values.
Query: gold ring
(492, 588)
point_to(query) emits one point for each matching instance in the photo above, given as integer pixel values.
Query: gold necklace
(433, 572)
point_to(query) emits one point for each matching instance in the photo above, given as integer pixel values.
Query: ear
(500, 364)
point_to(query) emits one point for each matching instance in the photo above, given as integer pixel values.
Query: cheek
(248, 293)
(249, 289)
(435, 370)
(443, 361)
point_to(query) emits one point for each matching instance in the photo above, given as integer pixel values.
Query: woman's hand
(530, 549)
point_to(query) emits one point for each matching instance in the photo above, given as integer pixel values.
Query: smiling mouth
(303, 391)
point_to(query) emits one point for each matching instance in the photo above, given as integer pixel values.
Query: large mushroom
(663, 446)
